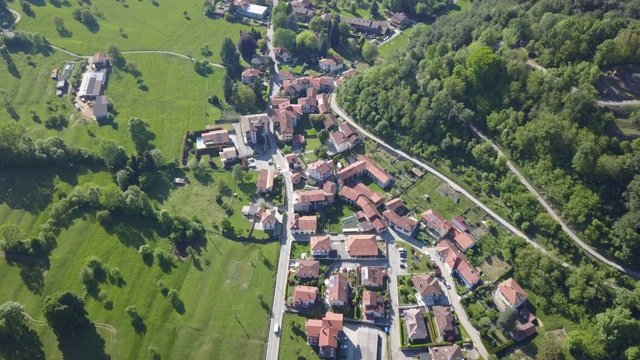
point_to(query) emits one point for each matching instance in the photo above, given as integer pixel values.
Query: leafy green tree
(618, 329)
(244, 98)
(317, 24)
(549, 349)
(369, 52)
(140, 133)
(65, 313)
(12, 317)
(285, 39)
(323, 136)
(114, 156)
(292, 23)
(280, 21)
(306, 45)
(230, 58)
(507, 319)
(115, 56)
(237, 172)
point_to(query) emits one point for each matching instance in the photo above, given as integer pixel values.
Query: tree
(280, 21)
(227, 88)
(114, 156)
(374, 10)
(237, 172)
(345, 33)
(65, 313)
(549, 349)
(59, 23)
(334, 33)
(369, 52)
(132, 312)
(247, 45)
(244, 98)
(292, 23)
(317, 24)
(353, 9)
(115, 56)
(205, 50)
(230, 57)
(321, 152)
(12, 317)
(140, 133)
(285, 39)
(306, 45)
(507, 319)
(323, 136)
(225, 226)
(617, 328)
(323, 43)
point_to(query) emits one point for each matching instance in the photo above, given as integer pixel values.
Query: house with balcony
(325, 334)
(429, 289)
(320, 246)
(253, 126)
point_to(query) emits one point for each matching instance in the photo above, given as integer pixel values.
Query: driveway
(364, 342)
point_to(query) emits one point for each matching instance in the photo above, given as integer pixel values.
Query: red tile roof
(304, 223)
(374, 275)
(362, 245)
(436, 220)
(427, 285)
(406, 223)
(338, 288)
(305, 294)
(464, 240)
(512, 291)
(265, 179)
(308, 269)
(325, 330)
(320, 243)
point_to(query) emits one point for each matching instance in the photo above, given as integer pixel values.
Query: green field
(398, 43)
(443, 205)
(293, 342)
(229, 274)
(145, 26)
(175, 101)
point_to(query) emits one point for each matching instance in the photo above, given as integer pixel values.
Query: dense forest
(472, 69)
(529, 75)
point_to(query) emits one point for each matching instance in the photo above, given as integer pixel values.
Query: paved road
(394, 311)
(451, 293)
(453, 184)
(553, 214)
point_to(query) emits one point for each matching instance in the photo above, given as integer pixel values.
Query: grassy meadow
(175, 100)
(223, 317)
(144, 25)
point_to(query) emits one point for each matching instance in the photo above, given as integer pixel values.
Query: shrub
(144, 250)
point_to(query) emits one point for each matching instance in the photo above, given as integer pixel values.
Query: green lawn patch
(398, 43)
(335, 214)
(293, 340)
(423, 265)
(144, 27)
(414, 200)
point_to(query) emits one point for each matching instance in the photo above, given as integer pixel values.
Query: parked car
(276, 328)
(403, 266)
(345, 346)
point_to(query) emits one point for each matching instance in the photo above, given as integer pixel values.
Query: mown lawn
(175, 100)
(145, 27)
(223, 317)
(293, 341)
(398, 43)
(443, 205)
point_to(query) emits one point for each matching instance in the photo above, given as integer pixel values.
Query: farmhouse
(510, 295)
(99, 61)
(362, 246)
(305, 295)
(429, 288)
(350, 134)
(400, 20)
(416, 327)
(338, 290)
(265, 182)
(303, 14)
(339, 142)
(372, 305)
(303, 224)
(252, 126)
(216, 137)
(367, 26)
(320, 170)
(91, 85)
(325, 334)
(320, 245)
(255, 11)
(292, 160)
(365, 165)
(372, 276)
(284, 56)
(308, 269)
(100, 108)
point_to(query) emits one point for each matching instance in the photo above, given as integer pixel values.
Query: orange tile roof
(308, 269)
(512, 291)
(305, 294)
(362, 245)
(304, 223)
(432, 217)
(468, 272)
(464, 240)
(338, 288)
(320, 243)
(427, 285)
(404, 222)
(265, 179)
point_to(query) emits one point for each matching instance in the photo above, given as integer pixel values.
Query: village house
(436, 223)
(451, 352)
(330, 122)
(320, 170)
(259, 61)
(228, 155)
(510, 295)
(339, 142)
(345, 74)
(463, 240)
(303, 14)
(252, 126)
(312, 199)
(268, 219)
(415, 324)
(292, 160)
(350, 134)
(283, 126)
(445, 323)
(280, 102)
(372, 277)
(400, 20)
(283, 55)
(303, 224)
(460, 224)
(371, 213)
(372, 306)
(322, 83)
(308, 103)
(266, 178)
(283, 74)
(365, 165)
(457, 264)
(298, 140)
(338, 290)
(250, 75)
(325, 334)
(367, 26)
(331, 63)
(305, 295)
(216, 137)
(320, 245)
(350, 194)
(307, 269)
(429, 289)
(323, 106)
(402, 224)
(364, 245)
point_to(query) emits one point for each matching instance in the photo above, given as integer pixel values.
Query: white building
(255, 11)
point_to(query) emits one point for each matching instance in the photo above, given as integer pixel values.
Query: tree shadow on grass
(85, 344)
(138, 325)
(25, 344)
(32, 274)
(24, 190)
(131, 232)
